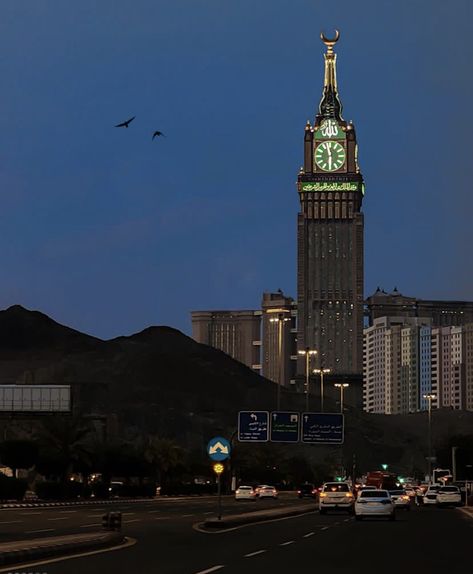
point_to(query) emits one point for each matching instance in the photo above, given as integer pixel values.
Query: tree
(164, 455)
(18, 454)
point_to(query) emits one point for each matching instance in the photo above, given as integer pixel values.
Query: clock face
(329, 155)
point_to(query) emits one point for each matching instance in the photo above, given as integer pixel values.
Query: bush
(12, 488)
(50, 490)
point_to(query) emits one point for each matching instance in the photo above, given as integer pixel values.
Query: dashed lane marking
(162, 518)
(61, 518)
(153, 511)
(90, 525)
(133, 520)
(287, 543)
(186, 515)
(37, 531)
(11, 522)
(30, 513)
(128, 513)
(255, 553)
(325, 527)
(213, 569)
(207, 513)
(308, 535)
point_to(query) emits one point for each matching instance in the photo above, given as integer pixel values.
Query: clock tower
(330, 236)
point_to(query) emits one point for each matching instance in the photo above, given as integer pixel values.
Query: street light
(322, 372)
(280, 320)
(429, 399)
(342, 387)
(308, 354)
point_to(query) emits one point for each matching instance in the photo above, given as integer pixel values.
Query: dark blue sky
(109, 232)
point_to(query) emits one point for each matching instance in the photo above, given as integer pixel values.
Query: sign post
(218, 469)
(284, 426)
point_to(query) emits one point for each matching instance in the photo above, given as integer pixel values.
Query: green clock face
(330, 155)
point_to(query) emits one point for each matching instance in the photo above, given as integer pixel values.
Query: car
(364, 488)
(336, 496)
(268, 492)
(307, 490)
(259, 487)
(245, 493)
(410, 491)
(449, 496)
(375, 503)
(401, 499)
(430, 495)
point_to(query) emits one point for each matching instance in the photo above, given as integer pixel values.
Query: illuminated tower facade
(330, 235)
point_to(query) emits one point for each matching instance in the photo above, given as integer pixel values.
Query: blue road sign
(218, 448)
(284, 426)
(322, 428)
(253, 426)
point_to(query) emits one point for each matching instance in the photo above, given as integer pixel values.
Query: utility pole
(309, 353)
(429, 399)
(321, 372)
(454, 463)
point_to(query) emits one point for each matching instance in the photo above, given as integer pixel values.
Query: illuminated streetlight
(280, 320)
(429, 399)
(342, 387)
(322, 372)
(308, 354)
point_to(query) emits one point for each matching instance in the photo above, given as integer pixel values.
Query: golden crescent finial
(330, 42)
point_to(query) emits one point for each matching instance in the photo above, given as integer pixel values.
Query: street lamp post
(342, 387)
(308, 354)
(321, 372)
(429, 399)
(280, 320)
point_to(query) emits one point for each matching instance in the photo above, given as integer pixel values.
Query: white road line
(186, 515)
(162, 517)
(90, 525)
(254, 553)
(211, 569)
(42, 530)
(67, 511)
(62, 518)
(308, 535)
(93, 515)
(11, 522)
(153, 511)
(347, 520)
(30, 513)
(205, 513)
(287, 543)
(325, 527)
(128, 513)
(134, 520)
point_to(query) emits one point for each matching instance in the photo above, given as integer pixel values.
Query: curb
(59, 549)
(253, 517)
(468, 511)
(73, 503)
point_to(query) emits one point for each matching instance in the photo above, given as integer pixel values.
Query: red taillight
(298, 492)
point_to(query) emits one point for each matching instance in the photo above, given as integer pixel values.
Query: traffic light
(384, 466)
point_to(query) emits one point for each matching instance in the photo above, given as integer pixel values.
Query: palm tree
(163, 454)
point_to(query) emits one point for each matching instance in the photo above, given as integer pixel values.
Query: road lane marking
(128, 513)
(206, 513)
(90, 525)
(347, 520)
(30, 513)
(287, 543)
(153, 511)
(62, 518)
(162, 517)
(93, 515)
(211, 569)
(186, 515)
(11, 522)
(325, 527)
(308, 535)
(133, 520)
(42, 530)
(254, 553)
(67, 511)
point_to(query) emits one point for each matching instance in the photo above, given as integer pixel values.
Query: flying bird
(125, 124)
(157, 133)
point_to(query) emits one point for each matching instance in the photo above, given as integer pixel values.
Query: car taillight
(349, 494)
(237, 492)
(314, 491)
(298, 492)
(405, 497)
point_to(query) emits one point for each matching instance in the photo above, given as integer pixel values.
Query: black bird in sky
(125, 124)
(157, 133)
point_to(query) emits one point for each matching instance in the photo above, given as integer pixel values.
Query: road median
(26, 551)
(234, 520)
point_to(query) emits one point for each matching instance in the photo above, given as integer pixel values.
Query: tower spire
(330, 104)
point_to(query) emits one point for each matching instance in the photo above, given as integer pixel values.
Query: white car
(401, 499)
(374, 503)
(336, 496)
(449, 495)
(430, 495)
(245, 493)
(268, 492)
(364, 488)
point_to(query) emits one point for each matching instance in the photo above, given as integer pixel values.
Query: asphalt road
(423, 540)
(16, 524)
